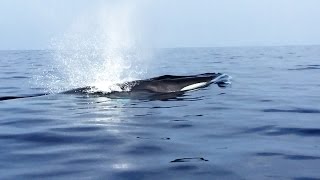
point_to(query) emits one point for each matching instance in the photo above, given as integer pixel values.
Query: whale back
(170, 83)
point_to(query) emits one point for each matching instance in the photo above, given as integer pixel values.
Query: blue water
(266, 126)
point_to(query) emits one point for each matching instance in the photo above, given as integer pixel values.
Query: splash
(101, 49)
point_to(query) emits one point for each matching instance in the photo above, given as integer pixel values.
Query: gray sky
(32, 24)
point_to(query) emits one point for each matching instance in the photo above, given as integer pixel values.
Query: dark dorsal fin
(165, 77)
(173, 77)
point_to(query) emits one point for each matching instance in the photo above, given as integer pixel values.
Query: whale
(164, 84)
(172, 84)
(160, 87)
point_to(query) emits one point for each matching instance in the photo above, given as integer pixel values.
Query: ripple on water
(272, 130)
(54, 138)
(305, 67)
(144, 149)
(193, 159)
(295, 110)
(287, 156)
(163, 138)
(306, 178)
(178, 171)
(25, 122)
(179, 126)
(294, 131)
(78, 129)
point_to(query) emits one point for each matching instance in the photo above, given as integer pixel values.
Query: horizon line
(185, 47)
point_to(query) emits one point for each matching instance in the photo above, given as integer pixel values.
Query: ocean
(266, 125)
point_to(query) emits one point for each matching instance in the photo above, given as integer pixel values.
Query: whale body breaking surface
(155, 88)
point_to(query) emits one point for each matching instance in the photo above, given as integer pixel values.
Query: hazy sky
(31, 24)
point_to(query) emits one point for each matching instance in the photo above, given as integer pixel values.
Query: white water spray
(101, 49)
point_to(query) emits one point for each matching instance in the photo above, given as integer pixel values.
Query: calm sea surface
(265, 126)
